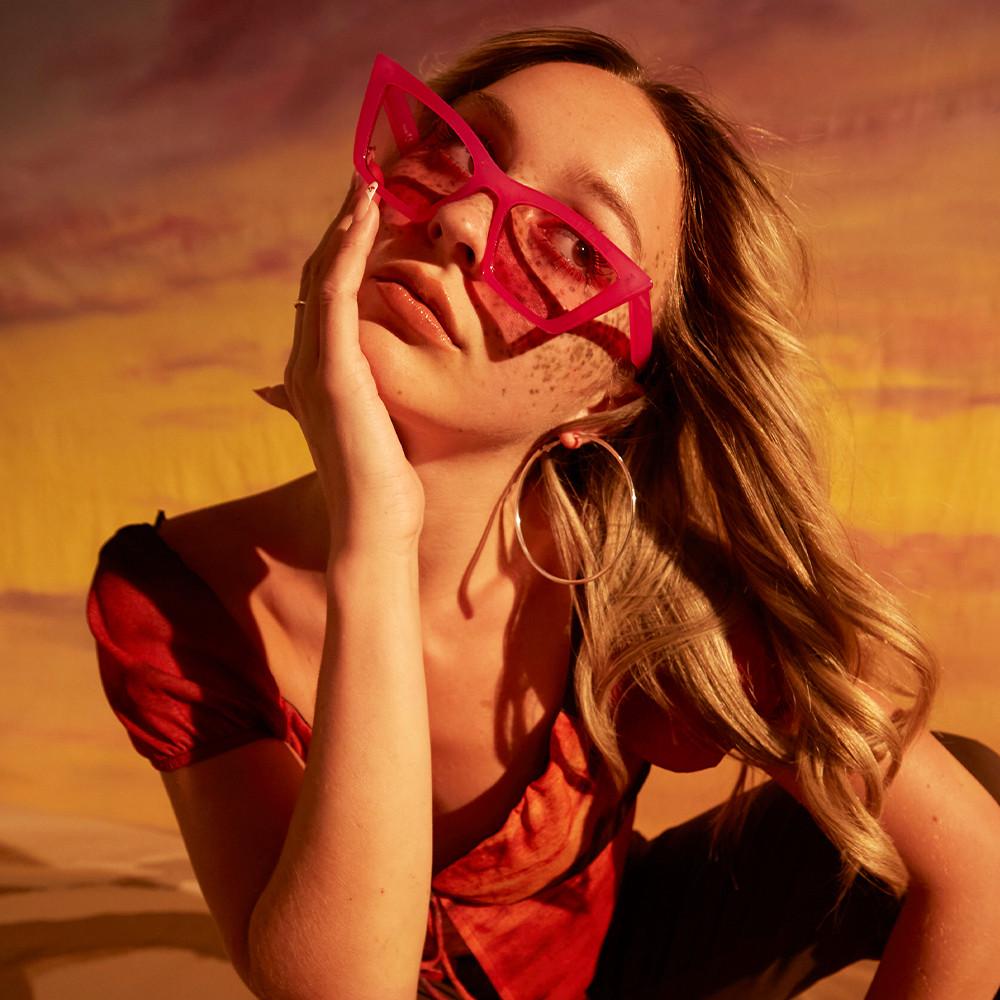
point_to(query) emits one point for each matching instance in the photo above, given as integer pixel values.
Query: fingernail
(365, 200)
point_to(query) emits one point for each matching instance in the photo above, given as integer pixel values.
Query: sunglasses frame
(632, 285)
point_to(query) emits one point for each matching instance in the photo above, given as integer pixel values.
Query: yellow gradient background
(168, 166)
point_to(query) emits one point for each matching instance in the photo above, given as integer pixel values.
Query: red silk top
(187, 683)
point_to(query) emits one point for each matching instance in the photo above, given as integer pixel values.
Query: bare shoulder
(215, 540)
(236, 545)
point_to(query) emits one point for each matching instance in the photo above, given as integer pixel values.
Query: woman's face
(503, 383)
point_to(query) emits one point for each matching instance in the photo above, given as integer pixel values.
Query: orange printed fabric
(534, 901)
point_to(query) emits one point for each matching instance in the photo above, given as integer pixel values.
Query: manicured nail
(365, 200)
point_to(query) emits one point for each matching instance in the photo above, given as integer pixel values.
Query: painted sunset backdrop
(169, 165)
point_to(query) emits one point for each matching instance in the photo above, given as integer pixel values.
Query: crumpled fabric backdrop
(168, 165)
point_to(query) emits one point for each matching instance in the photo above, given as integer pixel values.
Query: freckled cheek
(506, 328)
(551, 382)
(663, 271)
(592, 346)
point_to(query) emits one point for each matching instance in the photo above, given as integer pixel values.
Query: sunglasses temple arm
(640, 320)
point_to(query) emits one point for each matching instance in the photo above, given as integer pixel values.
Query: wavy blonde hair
(734, 517)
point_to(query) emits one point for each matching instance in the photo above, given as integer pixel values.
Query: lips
(425, 290)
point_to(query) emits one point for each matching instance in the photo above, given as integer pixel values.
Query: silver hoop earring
(517, 511)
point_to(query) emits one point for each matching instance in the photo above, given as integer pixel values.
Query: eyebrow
(593, 183)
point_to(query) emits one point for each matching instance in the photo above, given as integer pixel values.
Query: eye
(459, 153)
(575, 249)
(483, 133)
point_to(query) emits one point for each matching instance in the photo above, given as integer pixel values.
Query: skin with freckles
(415, 440)
(495, 634)
(510, 382)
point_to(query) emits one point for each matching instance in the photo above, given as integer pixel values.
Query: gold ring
(300, 302)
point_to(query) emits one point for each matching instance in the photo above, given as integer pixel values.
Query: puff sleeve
(173, 662)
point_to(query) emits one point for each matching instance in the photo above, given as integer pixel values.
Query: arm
(318, 878)
(345, 912)
(946, 828)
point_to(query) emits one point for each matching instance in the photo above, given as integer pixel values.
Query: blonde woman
(566, 523)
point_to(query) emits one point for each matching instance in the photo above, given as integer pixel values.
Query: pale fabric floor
(94, 910)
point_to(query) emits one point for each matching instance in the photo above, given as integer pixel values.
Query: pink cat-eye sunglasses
(544, 259)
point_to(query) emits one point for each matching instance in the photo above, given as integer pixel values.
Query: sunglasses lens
(540, 258)
(415, 155)
(547, 264)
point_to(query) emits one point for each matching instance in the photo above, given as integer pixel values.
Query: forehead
(570, 115)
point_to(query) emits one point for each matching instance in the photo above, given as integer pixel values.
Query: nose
(458, 230)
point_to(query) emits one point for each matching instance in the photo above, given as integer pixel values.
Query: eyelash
(599, 268)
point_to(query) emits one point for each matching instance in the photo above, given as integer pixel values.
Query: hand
(374, 497)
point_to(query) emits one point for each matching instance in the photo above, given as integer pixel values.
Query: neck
(467, 545)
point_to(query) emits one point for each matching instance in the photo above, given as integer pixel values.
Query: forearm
(943, 946)
(345, 911)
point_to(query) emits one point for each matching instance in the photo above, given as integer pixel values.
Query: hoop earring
(517, 511)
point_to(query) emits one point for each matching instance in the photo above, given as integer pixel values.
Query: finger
(307, 279)
(346, 265)
(338, 297)
(346, 207)
(327, 246)
(326, 253)
(304, 283)
(276, 396)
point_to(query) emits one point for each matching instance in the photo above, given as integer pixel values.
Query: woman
(403, 705)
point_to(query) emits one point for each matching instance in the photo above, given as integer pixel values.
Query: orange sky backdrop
(168, 165)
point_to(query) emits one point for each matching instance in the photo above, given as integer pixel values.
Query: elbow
(343, 989)
(240, 957)
(274, 969)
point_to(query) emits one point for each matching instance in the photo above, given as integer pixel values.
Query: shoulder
(180, 667)
(152, 577)
(676, 739)
(254, 549)
(218, 542)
